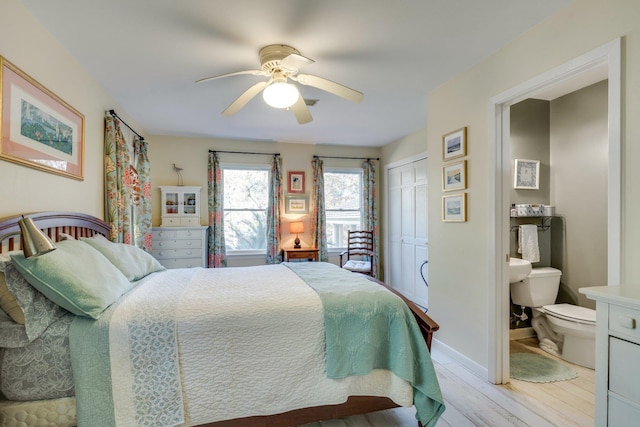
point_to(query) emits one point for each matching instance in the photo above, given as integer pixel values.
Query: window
(342, 205)
(246, 197)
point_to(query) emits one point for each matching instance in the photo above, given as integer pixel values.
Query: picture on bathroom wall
(454, 177)
(526, 174)
(454, 208)
(454, 144)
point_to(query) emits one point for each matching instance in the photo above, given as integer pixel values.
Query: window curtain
(369, 200)
(273, 212)
(127, 187)
(119, 182)
(142, 196)
(217, 249)
(319, 222)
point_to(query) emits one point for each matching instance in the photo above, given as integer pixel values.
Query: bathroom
(568, 135)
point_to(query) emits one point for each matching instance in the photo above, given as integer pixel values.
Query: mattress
(42, 413)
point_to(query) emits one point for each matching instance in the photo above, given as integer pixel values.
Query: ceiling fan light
(280, 95)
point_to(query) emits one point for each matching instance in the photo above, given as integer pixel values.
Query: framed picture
(526, 174)
(37, 128)
(454, 144)
(296, 204)
(454, 208)
(296, 182)
(454, 177)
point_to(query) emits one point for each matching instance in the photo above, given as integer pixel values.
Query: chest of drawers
(180, 247)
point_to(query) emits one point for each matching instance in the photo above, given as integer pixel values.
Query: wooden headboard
(53, 224)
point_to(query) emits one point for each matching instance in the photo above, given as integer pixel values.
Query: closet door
(408, 241)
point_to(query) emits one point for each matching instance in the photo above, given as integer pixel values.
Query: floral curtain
(369, 200)
(119, 181)
(273, 212)
(217, 250)
(142, 196)
(127, 187)
(318, 221)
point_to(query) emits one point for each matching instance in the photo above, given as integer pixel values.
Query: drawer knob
(160, 253)
(627, 322)
(189, 253)
(160, 243)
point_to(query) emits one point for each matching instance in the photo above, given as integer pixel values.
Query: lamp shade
(34, 241)
(280, 94)
(296, 227)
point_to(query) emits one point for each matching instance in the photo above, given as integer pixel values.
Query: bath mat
(539, 369)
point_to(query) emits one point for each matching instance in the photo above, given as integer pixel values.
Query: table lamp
(34, 241)
(296, 227)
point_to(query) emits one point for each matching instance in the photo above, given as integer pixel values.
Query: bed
(287, 326)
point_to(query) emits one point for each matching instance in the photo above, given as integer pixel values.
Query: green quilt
(367, 327)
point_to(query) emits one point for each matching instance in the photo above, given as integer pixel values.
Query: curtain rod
(351, 158)
(243, 152)
(113, 113)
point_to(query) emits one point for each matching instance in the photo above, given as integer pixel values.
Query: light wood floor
(473, 401)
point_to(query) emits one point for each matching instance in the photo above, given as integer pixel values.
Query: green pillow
(132, 261)
(75, 276)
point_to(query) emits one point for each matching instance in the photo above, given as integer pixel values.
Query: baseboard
(521, 333)
(444, 354)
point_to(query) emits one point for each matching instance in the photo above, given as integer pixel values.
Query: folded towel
(528, 242)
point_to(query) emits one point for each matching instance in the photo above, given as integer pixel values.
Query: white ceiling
(148, 54)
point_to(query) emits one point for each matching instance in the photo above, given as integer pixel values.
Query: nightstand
(310, 254)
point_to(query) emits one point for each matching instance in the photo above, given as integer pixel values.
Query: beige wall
(192, 155)
(26, 44)
(460, 253)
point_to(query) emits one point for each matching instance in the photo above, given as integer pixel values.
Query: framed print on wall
(454, 208)
(454, 144)
(454, 177)
(296, 204)
(38, 129)
(526, 174)
(296, 182)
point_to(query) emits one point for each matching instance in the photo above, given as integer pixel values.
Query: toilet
(564, 330)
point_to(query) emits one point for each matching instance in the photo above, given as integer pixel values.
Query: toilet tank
(538, 289)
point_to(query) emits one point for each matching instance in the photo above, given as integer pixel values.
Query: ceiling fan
(279, 63)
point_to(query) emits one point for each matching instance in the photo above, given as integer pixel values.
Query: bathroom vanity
(617, 355)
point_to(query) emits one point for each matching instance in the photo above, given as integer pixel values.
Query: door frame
(608, 56)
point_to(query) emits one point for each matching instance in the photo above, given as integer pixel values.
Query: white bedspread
(250, 342)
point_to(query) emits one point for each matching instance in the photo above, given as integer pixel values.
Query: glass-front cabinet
(180, 206)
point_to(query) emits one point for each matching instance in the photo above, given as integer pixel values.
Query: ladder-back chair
(359, 254)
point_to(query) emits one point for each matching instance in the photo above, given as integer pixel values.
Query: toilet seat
(572, 313)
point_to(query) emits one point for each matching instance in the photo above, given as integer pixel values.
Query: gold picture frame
(454, 144)
(454, 208)
(37, 128)
(454, 176)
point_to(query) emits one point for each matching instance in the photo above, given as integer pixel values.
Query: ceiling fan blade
(294, 61)
(329, 86)
(242, 100)
(237, 73)
(301, 111)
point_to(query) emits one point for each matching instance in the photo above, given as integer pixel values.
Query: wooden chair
(360, 248)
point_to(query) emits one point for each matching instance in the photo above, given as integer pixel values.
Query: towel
(528, 242)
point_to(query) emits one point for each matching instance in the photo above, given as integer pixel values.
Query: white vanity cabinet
(180, 247)
(180, 206)
(617, 355)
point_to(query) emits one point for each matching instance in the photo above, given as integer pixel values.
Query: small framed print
(526, 174)
(296, 182)
(454, 144)
(296, 204)
(454, 208)
(454, 177)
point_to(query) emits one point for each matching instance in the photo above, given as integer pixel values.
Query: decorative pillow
(39, 311)
(7, 301)
(131, 260)
(75, 276)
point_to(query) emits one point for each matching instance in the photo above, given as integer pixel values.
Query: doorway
(599, 64)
